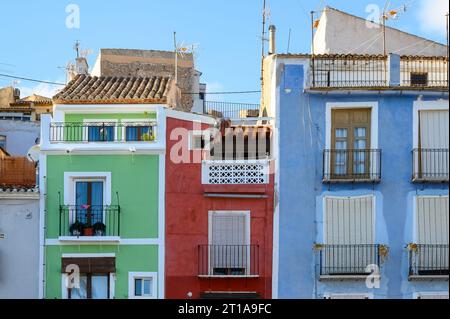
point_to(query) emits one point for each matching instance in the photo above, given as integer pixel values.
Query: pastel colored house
(361, 143)
(101, 175)
(219, 206)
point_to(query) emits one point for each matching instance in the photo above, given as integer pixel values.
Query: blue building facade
(362, 177)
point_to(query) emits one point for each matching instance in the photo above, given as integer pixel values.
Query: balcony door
(350, 155)
(349, 235)
(89, 202)
(433, 144)
(229, 237)
(92, 286)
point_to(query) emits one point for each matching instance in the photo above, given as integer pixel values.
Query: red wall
(187, 227)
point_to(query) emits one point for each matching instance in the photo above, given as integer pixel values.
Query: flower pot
(88, 231)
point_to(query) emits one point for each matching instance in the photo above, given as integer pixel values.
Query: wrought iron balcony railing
(230, 110)
(360, 71)
(89, 221)
(348, 260)
(228, 260)
(428, 260)
(430, 165)
(103, 132)
(352, 165)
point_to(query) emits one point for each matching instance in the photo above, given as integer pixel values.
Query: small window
(142, 285)
(3, 141)
(419, 79)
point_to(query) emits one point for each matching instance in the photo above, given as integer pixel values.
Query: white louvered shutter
(349, 234)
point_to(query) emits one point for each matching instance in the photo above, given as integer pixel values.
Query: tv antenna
(391, 14)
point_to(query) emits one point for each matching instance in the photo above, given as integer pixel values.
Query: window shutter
(432, 220)
(349, 221)
(434, 129)
(228, 229)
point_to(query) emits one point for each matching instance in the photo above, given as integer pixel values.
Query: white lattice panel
(235, 172)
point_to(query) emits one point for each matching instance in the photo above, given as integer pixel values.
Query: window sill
(89, 239)
(428, 277)
(351, 180)
(345, 277)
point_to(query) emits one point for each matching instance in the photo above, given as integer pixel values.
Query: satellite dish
(33, 153)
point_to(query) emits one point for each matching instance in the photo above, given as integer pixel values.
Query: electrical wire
(231, 92)
(30, 79)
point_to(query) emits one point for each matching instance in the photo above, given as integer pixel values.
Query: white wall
(19, 250)
(20, 136)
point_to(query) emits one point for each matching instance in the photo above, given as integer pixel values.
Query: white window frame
(247, 215)
(125, 123)
(142, 275)
(439, 105)
(86, 130)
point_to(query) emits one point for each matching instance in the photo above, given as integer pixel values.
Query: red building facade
(219, 221)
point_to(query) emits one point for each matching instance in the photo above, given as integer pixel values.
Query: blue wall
(302, 135)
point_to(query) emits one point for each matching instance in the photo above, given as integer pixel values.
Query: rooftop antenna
(76, 47)
(265, 14)
(181, 49)
(391, 15)
(289, 41)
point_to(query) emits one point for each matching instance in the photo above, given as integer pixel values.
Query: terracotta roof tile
(85, 89)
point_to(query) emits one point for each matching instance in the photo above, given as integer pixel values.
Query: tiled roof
(85, 89)
(35, 99)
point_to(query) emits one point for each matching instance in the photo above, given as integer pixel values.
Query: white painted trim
(93, 255)
(71, 177)
(353, 105)
(423, 106)
(42, 222)
(161, 225)
(417, 295)
(19, 195)
(91, 239)
(122, 241)
(64, 289)
(151, 275)
(191, 117)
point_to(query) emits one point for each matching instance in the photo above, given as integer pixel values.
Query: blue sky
(36, 42)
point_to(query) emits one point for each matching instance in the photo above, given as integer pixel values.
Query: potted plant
(99, 229)
(88, 230)
(76, 229)
(148, 137)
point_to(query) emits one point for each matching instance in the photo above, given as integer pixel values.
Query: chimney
(82, 66)
(272, 31)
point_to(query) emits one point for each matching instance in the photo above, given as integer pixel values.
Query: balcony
(352, 165)
(430, 165)
(89, 223)
(348, 261)
(228, 261)
(235, 172)
(376, 71)
(103, 132)
(232, 111)
(428, 261)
